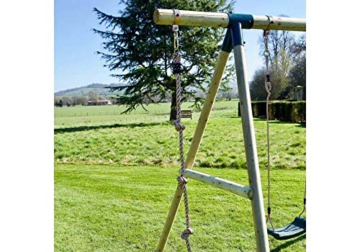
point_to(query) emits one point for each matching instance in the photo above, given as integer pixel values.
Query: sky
(77, 64)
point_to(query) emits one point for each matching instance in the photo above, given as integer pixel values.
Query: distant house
(99, 102)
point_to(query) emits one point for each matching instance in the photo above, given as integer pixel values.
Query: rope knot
(187, 232)
(182, 180)
(179, 126)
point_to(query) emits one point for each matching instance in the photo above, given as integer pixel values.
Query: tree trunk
(173, 107)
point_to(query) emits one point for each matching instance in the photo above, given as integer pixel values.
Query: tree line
(287, 67)
(67, 101)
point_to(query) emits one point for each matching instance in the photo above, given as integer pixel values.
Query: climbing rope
(268, 90)
(180, 128)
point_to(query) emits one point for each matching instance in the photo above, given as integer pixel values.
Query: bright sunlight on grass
(115, 177)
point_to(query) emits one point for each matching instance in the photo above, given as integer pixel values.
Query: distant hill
(101, 90)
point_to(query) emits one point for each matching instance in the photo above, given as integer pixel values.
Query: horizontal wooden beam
(190, 18)
(217, 19)
(279, 23)
(220, 183)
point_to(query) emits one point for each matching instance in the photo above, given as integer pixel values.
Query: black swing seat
(295, 228)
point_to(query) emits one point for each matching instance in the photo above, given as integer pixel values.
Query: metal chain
(180, 128)
(268, 90)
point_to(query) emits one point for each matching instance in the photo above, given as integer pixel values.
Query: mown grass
(149, 139)
(115, 176)
(112, 208)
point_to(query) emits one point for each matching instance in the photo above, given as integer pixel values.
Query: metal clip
(175, 28)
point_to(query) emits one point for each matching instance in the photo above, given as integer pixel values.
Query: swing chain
(267, 56)
(268, 90)
(180, 128)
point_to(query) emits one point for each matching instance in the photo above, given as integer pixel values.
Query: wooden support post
(257, 203)
(210, 98)
(170, 219)
(226, 185)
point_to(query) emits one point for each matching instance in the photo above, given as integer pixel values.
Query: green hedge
(286, 111)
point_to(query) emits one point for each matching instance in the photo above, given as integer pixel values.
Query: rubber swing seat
(294, 229)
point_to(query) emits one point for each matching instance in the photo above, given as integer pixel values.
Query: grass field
(115, 176)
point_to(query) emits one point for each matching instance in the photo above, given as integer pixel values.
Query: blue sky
(76, 63)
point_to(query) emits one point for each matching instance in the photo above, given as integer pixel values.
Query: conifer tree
(143, 52)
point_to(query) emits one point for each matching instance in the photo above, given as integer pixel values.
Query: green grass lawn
(115, 176)
(149, 139)
(112, 208)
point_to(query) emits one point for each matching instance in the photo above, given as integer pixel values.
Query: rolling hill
(97, 89)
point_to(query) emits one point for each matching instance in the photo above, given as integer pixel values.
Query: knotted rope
(180, 128)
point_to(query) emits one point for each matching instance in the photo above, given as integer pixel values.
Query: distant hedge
(287, 111)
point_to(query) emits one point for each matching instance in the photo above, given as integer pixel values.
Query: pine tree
(143, 52)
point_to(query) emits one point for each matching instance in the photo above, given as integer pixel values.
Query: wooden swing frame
(233, 40)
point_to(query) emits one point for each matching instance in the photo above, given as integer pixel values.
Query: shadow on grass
(96, 127)
(289, 243)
